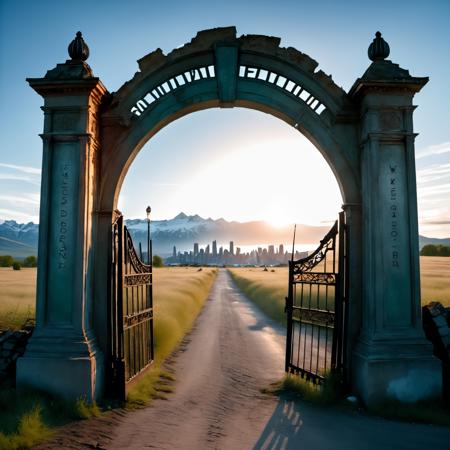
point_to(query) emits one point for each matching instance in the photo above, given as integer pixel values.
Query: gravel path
(231, 354)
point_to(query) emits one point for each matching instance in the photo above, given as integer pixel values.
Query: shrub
(6, 261)
(435, 250)
(158, 261)
(16, 265)
(30, 261)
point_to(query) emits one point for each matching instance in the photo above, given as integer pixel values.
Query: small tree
(435, 250)
(158, 261)
(429, 250)
(30, 261)
(16, 265)
(6, 261)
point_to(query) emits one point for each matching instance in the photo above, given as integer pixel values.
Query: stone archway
(91, 137)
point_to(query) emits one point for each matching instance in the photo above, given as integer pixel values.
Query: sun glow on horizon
(281, 182)
(250, 168)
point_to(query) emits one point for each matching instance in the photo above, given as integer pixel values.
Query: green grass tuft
(31, 430)
(86, 410)
(154, 384)
(329, 393)
(27, 418)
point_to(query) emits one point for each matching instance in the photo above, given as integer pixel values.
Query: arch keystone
(226, 71)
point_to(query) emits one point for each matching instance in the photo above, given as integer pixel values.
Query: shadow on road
(283, 428)
(300, 426)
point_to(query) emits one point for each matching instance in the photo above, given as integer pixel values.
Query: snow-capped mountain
(21, 240)
(183, 230)
(18, 239)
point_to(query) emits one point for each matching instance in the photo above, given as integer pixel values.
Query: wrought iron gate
(315, 308)
(131, 311)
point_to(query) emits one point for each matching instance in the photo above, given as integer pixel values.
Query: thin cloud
(4, 176)
(432, 179)
(438, 149)
(433, 173)
(8, 177)
(31, 199)
(437, 222)
(25, 169)
(434, 190)
(168, 184)
(10, 214)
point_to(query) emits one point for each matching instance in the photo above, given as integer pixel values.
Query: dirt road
(232, 353)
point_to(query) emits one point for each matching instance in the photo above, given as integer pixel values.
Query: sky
(237, 164)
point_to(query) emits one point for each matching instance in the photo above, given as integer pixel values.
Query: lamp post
(149, 242)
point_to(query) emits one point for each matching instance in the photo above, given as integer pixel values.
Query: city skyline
(259, 255)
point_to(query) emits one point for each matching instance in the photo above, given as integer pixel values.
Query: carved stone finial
(78, 49)
(378, 49)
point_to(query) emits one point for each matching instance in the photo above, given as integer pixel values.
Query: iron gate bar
(132, 348)
(315, 310)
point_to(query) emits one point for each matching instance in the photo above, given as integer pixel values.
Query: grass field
(435, 279)
(172, 289)
(179, 294)
(17, 296)
(269, 289)
(17, 289)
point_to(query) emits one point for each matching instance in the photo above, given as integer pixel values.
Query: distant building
(272, 255)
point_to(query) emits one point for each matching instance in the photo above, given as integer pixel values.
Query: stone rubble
(436, 324)
(12, 346)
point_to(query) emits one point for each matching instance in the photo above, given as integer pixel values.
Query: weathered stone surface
(70, 71)
(64, 294)
(367, 136)
(5, 335)
(206, 41)
(437, 331)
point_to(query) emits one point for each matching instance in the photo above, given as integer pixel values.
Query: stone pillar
(392, 357)
(63, 347)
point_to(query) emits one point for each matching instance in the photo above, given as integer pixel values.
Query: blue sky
(204, 148)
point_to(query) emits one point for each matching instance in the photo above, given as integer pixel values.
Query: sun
(277, 217)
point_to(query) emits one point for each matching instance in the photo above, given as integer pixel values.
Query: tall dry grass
(268, 289)
(435, 279)
(179, 294)
(17, 296)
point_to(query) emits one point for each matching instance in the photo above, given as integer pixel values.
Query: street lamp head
(148, 211)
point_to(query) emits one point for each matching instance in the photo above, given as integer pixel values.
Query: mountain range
(21, 240)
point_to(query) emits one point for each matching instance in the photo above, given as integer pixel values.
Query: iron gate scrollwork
(315, 308)
(131, 314)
